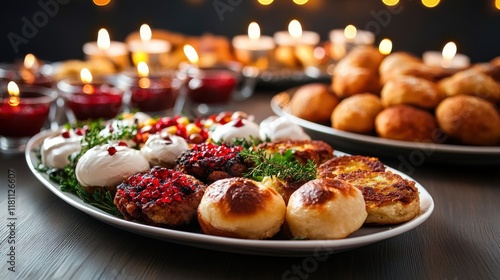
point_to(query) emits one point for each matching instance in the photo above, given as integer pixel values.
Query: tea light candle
(29, 72)
(151, 51)
(295, 46)
(23, 112)
(104, 48)
(150, 93)
(253, 49)
(296, 36)
(89, 99)
(344, 40)
(448, 58)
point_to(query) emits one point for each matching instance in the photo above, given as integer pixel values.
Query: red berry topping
(111, 151)
(65, 134)
(80, 131)
(159, 185)
(121, 143)
(239, 123)
(213, 153)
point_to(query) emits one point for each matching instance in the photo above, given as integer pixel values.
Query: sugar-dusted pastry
(469, 120)
(241, 208)
(471, 82)
(406, 123)
(313, 102)
(410, 90)
(357, 113)
(325, 208)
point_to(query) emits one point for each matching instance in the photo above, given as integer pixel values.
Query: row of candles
(255, 49)
(91, 98)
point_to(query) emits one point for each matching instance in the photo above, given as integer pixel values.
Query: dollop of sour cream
(236, 129)
(56, 149)
(277, 128)
(108, 165)
(163, 150)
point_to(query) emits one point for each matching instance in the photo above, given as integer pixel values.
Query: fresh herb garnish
(284, 166)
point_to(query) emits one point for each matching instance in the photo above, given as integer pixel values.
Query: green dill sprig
(246, 143)
(284, 166)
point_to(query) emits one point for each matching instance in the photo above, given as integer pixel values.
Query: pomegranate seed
(79, 131)
(121, 143)
(111, 151)
(239, 123)
(65, 134)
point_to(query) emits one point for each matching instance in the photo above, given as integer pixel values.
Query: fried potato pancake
(389, 198)
(303, 150)
(347, 164)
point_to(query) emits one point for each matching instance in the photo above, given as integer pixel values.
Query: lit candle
(23, 112)
(151, 51)
(344, 40)
(29, 72)
(296, 46)
(89, 98)
(104, 48)
(208, 89)
(447, 59)
(253, 49)
(385, 46)
(150, 93)
(296, 36)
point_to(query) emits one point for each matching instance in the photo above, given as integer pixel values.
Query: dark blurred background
(60, 33)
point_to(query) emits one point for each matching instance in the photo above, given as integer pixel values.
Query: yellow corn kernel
(150, 121)
(170, 130)
(208, 123)
(192, 129)
(183, 121)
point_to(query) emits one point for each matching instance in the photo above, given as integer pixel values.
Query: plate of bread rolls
(397, 106)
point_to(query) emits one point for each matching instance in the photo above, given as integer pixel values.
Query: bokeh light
(390, 2)
(265, 2)
(300, 2)
(101, 2)
(385, 46)
(430, 3)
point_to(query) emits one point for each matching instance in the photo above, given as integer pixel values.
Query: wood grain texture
(56, 241)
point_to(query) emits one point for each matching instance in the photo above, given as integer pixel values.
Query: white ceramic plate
(364, 236)
(408, 153)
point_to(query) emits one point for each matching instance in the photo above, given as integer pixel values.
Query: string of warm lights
(426, 3)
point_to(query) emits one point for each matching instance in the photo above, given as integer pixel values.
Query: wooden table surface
(53, 240)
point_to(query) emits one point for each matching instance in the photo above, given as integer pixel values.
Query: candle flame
(145, 32)
(295, 29)
(142, 69)
(30, 61)
(103, 40)
(449, 52)
(85, 76)
(350, 31)
(13, 91)
(254, 31)
(191, 54)
(385, 46)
